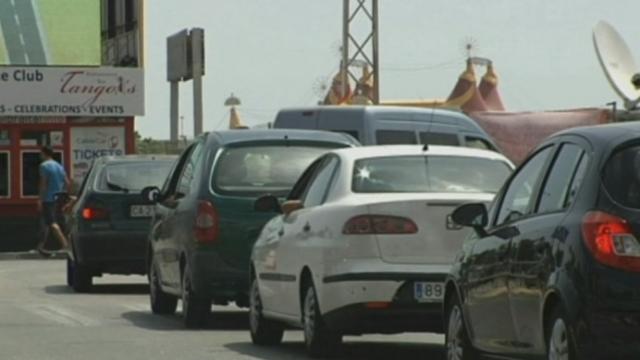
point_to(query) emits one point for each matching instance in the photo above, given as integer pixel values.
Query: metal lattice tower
(360, 44)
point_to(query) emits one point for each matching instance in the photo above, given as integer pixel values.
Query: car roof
(400, 150)
(137, 158)
(236, 136)
(606, 135)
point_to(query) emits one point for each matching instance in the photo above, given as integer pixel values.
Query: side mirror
(290, 206)
(150, 194)
(267, 203)
(473, 215)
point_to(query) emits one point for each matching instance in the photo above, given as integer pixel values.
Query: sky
(276, 53)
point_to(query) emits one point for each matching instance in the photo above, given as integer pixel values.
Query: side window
(519, 196)
(556, 188)
(578, 176)
(172, 181)
(317, 190)
(477, 143)
(299, 188)
(189, 170)
(433, 138)
(395, 137)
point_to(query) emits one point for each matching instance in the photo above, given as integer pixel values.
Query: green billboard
(50, 32)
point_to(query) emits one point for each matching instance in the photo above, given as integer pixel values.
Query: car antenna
(286, 140)
(425, 147)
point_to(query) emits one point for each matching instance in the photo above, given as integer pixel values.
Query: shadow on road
(220, 320)
(349, 350)
(106, 289)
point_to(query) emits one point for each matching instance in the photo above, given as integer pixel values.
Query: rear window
(621, 177)
(133, 176)
(263, 169)
(395, 137)
(453, 174)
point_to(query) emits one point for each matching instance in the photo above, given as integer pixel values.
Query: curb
(31, 255)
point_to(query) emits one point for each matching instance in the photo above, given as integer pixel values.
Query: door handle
(306, 227)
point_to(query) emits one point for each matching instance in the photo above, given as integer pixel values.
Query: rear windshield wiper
(116, 187)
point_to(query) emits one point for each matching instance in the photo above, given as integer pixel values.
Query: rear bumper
(215, 278)
(120, 252)
(609, 335)
(347, 300)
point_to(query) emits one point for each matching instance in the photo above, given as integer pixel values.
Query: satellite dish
(618, 64)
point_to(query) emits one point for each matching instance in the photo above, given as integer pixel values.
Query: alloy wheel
(309, 316)
(255, 307)
(559, 341)
(455, 335)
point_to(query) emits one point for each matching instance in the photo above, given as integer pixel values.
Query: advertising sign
(89, 143)
(50, 32)
(60, 91)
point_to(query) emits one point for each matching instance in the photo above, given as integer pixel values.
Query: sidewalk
(31, 255)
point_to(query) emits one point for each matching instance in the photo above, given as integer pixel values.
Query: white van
(386, 125)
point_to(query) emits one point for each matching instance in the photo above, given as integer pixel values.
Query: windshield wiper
(116, 187)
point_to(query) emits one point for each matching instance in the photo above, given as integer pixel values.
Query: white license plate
(428, 291)
(138, 211)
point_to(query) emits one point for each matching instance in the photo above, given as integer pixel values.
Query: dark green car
(204, 223)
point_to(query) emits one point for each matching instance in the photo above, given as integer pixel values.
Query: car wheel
(69, 272)
(161, 302)
(458, 345)
(559, 337)
(195, 308)
(264, 332)
(82, 278)
(319, 340)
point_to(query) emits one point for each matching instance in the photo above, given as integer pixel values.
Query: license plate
(428, 291)
(138, 211)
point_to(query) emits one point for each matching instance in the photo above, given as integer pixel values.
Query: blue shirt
(55, 177)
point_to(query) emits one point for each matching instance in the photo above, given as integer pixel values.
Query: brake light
(206, 225)
(94, 213)
(379, 224)
(611, 241)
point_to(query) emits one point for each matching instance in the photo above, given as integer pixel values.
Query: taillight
(379, 224)
(94, 213)
(206, 224)
(611, 241)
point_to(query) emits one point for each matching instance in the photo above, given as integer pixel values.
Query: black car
(204, 223)
(109, 223)
(552, 271)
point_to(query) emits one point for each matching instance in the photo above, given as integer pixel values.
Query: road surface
(21, 32)
(41, 318)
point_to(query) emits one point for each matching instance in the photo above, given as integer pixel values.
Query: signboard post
(185, 61)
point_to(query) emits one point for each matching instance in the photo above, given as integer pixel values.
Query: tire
(161, 302)
(320, 341)
(458, 344)
(69, 272)
(559, 337)
(264, 332)
(82, 278)
(195, 308)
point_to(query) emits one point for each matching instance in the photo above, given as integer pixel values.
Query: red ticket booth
(76, 142)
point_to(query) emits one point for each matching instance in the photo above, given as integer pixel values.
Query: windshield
(262, 169)
(133, 176)
(452, 174)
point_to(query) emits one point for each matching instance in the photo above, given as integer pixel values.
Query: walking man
(53, 180)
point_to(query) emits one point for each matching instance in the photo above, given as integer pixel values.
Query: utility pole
(360, 45)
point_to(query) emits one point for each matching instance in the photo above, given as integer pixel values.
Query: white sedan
(364, 241)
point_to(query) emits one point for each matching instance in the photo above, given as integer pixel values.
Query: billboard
(68, 91)
(89, 143)
(50, 32)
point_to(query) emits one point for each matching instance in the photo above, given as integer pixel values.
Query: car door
(269, 263)
(487, 266)
(304, 231)
(163, 227)
(531, 253)
(183, 214)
